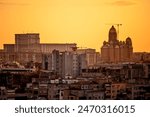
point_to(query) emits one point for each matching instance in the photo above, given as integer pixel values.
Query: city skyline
(73, 21)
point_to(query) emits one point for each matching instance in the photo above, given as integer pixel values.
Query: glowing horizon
(76, 21)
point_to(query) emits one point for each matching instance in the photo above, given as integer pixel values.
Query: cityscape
(30, 70)
(74, 50)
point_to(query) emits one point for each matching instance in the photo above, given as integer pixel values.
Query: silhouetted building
(90, 56)
(66, 64)
(141, 56)
(114, 50)
(27, 48)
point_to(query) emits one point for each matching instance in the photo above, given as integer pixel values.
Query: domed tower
(129, 41)
(112, 34)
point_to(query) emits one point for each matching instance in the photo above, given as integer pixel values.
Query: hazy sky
(80, 21)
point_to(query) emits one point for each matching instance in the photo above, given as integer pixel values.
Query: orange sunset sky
(78, 21)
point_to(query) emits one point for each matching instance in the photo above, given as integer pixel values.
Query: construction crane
(118, 25)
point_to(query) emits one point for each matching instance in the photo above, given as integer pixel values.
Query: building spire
(112, 34)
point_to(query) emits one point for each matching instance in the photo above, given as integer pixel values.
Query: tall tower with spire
(115, 51)
(112, 34)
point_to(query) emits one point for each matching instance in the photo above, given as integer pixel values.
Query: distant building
(114, 50)
(66, 64)
(69, 64)
(29, 42)
(141, 56)
(27, 48)
(90, 55)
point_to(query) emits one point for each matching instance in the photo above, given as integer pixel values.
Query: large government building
(27, 48)
(114, 51)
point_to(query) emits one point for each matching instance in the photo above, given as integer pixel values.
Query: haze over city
(80, 21)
